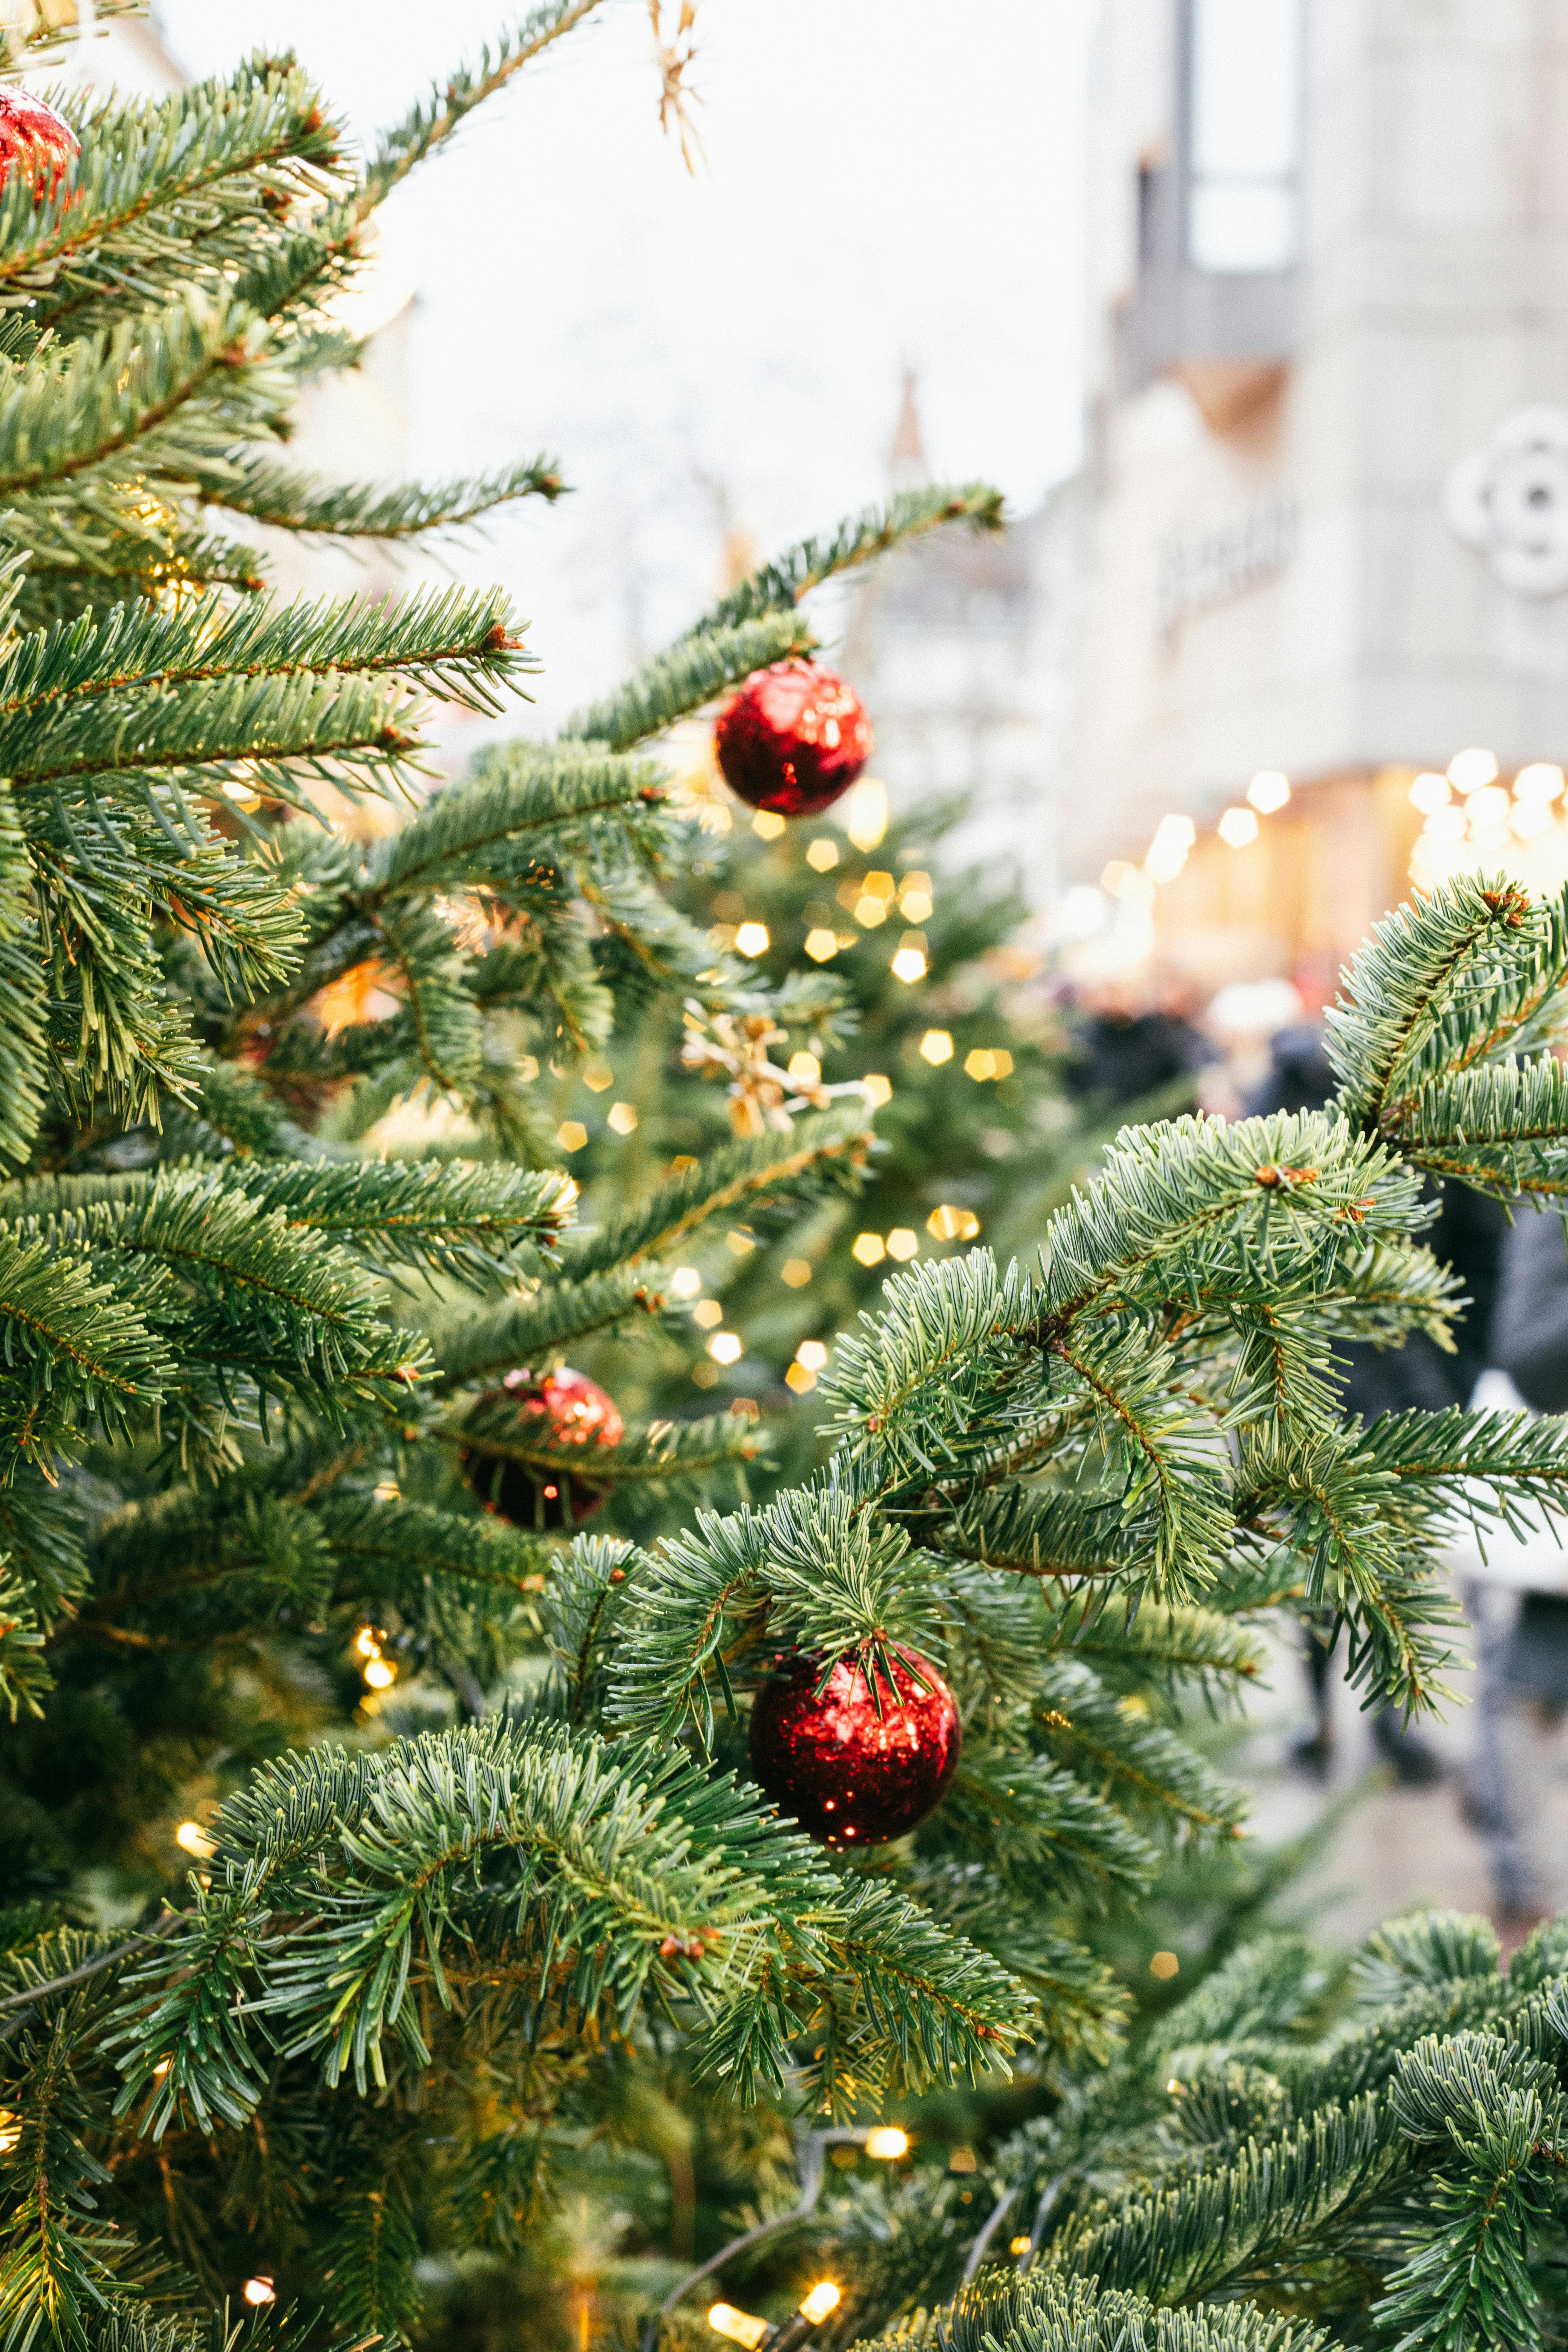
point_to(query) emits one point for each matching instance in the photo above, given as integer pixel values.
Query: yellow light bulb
(193, 1839)
(739, 2326)
(380, 1673)
(887, 2143)
(823, 2297)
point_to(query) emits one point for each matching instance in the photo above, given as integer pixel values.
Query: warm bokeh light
(1237, 827)
(1164, 1965)
(865, 807)
(870, 1249)
(1430, 792)
(823, 2298)
(259, 2290)
(820, 945)
(597, 1076)
(909, 965)
(707, 1313)
(685, 1282)
(752, 939)
(1268, 792)
(870, 911)
(953, 1225)
(739, 2326)
(1540, 782)
(10, 2129)
(1173, 836)
(796, 1272)
(979, 1064)
(798, 1379)
(367, 1642)
(570, 1135)
(936, 1047)
(878, 1089)
(1019, 2245)
(623, 1118)
(812, 1354)
(380, 1673)
(902, 1244)
(886, 2142)
(768, 823)
(725, 1347)
(194, 1839)
(1468, 771)
(963, 2160)
(804, 1069)
(822, 855)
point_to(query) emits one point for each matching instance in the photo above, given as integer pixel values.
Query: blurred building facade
(1327, 497)
(962, 646)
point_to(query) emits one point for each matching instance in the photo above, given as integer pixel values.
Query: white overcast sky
(888, 183)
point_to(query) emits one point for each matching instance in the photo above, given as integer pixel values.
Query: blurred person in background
(1467, 1234)
(1128, 1045)
(1517, 1592)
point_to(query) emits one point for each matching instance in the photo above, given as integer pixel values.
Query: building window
(1244, 135)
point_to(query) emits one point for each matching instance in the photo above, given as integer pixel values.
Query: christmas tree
(495, 1879)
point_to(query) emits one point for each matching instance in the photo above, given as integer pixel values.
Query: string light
(936, 1047)
(1268, 792)
(258, 2291)
(823, 2297)
(908, 965)
(685, 1282)
(752, 939)
(886, 2142)
(822, 855)
(739, 2326)
(193, 1839)
(725, 1347)
(1019, 2246)
(902, 1244)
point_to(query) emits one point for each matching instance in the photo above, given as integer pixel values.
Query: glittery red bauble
(847, 1774)
(34, 138)
(792, 738)
(572, 1410)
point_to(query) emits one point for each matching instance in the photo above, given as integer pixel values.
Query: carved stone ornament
(1509, 501)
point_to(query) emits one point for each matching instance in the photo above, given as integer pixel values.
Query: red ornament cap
(792, 738)
(846, 1774)
(575, 1411)
(36, 139)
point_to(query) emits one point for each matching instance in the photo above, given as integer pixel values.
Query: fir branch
(1458, 979)
(691, 673)
(269, 494)
(427, 125)
(782, 582)
(826, 1149)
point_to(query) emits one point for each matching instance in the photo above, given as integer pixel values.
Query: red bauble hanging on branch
(792, 738)
(35, 141)
(849, 1774)
(555, 1411)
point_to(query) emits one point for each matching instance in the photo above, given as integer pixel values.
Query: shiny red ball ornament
(573, 1412)
(792, 738)
(35, 140)
(846, 1774)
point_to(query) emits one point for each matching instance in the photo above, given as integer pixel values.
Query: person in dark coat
(1467, 1234)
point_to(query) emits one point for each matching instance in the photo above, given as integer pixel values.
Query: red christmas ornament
(849, 1775)
(792, 738)
(574, 1410)
(36, 140)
